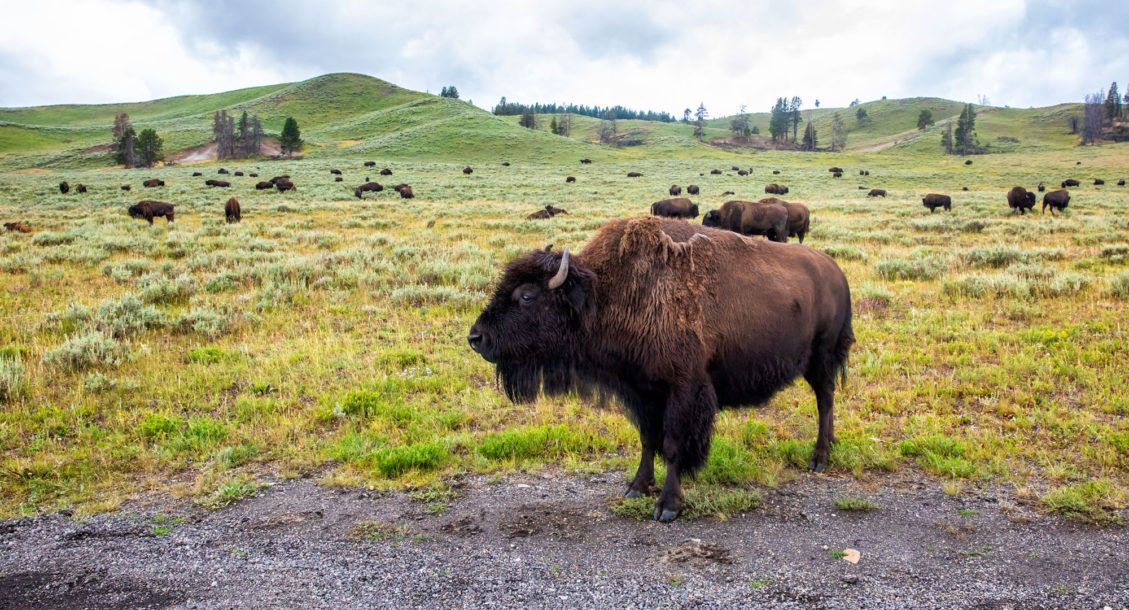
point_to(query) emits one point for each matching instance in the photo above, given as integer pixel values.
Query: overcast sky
(646, 54)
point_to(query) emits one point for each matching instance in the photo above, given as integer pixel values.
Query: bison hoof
(633, 493)
(816, 465)
(665, 515)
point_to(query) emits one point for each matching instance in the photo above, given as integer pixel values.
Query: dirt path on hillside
(550, 541)
(207, 152)
(900, 138)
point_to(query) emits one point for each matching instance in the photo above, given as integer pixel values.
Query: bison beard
(645, 315)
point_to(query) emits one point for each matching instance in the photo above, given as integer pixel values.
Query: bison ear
(576, 295)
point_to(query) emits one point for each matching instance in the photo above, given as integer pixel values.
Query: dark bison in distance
(370, 163)
(1020, 200)
(231, 211)
(585, 161)
(149, 210)
(1069, 182)
(1042, 187)
(264, 185)
(405, 191)
(374, 187)
(284, 185)
(1056, 200)
(152, 182)
(799, 218)
(335, 172)
(17, 227)
(467, 170)
(634, 175)
(1098, 182)
(715, 172)
(222, 171)
(934, 201)
(195, 174)
(835, 170)
(570, 179)
(219, 183)
(679, 207)
(876, 193)
(549, 212)
(750, 218)
(692, 189)
(238, 174)
(776, 189)
(126, 187)
(386, 172)
(80, 188)
(1121, 182)
(675, 189)
(716, 334)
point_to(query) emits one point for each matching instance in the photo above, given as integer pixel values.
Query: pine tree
(794, 115)
(223, 132)
(451, 92)
(125, 139)
(740, 124)
(528, 120)
(809, 136)
(778, 122)
(1113, 103)
(149, 148)
(964, 138)
(838, 132)
(925, 119)
(686, 116)
(291, 137)
(700, 120)
(862, 116)
(553, 126)
(947, 137)
(564, 126)
(244, 135)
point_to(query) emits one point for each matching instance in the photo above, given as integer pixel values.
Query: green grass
(1092, 501)
(853, 504)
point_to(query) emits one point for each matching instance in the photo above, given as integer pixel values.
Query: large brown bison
(679, 207)
(876, 193)
(232, 212)
(693, 189)
(405, 191)
(374, 187)
(1069, 182)
(675, 189)
(17, 227)
(750, 218)
(776, 189)
(676, 321)
(1020, 200)
(548, 212)
(219, 183)
(149, 210)
(153, 182)
(285, 185)
(934, 201)
(799, 218)
(264, 185)
(1056, 200)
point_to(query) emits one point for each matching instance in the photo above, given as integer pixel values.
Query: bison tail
(843, 349)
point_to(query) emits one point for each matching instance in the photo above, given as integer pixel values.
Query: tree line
(233, 141)
(1104, 116)
(133, 149)
(507, 108)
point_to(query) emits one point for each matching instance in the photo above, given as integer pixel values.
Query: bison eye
(525, 294)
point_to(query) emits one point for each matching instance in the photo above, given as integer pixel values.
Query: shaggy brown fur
(149, 210)
(677, 321)
(679, 207)
(934, 201)
(799, 218)
(1020, 199)
(405, 191)
(17, 227)
(549, 212)
(264, 185)
(776, 189)
(750, 218)
(1056, 200)
(876, 193)
(232, 212)
(152, 182)
(374, 187)
(285, 185)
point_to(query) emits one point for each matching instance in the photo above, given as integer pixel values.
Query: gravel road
(549, 541)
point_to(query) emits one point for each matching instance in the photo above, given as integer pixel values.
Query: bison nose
(475, 340)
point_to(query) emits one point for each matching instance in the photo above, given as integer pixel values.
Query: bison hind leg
(828, 361)
(687, 428)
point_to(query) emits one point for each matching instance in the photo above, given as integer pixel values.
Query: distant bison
(776, 189)
(775, 172)
(837, 175)
(222, 171)
(569, 179)
(196, 174)
(1020, 200)
(876, 193)
(285, 185)
(1042, 187)
(749, 218)
(735, 168)
(231, 211)
(1069, 182)
(386, 172)
(152, 182)
(219, 183)
(405, 191)
(1056, 200)
(80, 188)
(934, 201)
(864, 172)
(675, 189)
(968, 161)
(17, 227)
(278, 179)
(264, 185)
(585, 161)
(1098, 182)
(727, 193)
(252, 175)
(374, 187)
(467, 170)
(799, 218)
(964, 188)
(835, 170)
(149, 210)
(338, 179)
(126, 187)
(370, 163)
(742, 172)
(64, 188)
(633, 174)
(679, 207)
(505, 163)
(692, 189)
(1121, 182)
(715, 172)
(238, 173)
(549, 212)
(335, 172)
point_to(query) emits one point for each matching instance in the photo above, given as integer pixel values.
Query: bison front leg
(651, 438)
(687, 428)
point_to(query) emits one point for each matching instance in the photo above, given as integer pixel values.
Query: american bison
(964, 188)
(799, 218)
(335, 172)
(264, 185)
(374, 187)
(678, 322)
(675, 189)
(231, 211)
(734, 168)
(467, 170)
(715, 172)
(934, 201)
(750, 218)
(153, 182)
(835, 170)
(222, 171)
(633, 174)
(149, 210)
(1121, 182)
(1020, 200)
(405, 191)
(252, 175)
(219, 183)
(968, 161)
(17, 227)
(692, 189)
(1069, 182)
(386, 172)
(570, 179)
(876, 193)
(505, 163)
(727, 193)
(679, 207)
(837, 175)
(1098, 182)
(775, 172)
(126, 187)
(238, 174)
(285, 185)
(64, 188)
(196, 174)
(1042, 187)
(776, 189)
(742, 172)
(277, 179)
(338, 179)
(548, 212)
(370, 163)
(1056, 200)
(80, 188)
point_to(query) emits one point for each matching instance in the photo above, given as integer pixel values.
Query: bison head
(529, 329)
(135, 211)
(712, 219)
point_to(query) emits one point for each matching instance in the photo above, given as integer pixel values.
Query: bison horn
(549, 248)
(562, 273)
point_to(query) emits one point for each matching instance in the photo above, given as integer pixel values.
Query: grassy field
(325, 336)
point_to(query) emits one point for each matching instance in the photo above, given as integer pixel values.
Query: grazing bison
(678, 322)
(570, 179)
(1042, 187)
(80, 188)
(231, 211)
(679, 207)
(285, 185)
(734, 168)
(17, 227)
(195, 174)
(386, 172)
(149, 210)
(505, 163)
(335, 172)
(152, 182)
(405, 191)
(374, 187)
(837, 175)
(775, 172)
(264, 185)
(370, 163)
(968, 161)
(964, 188)
(799, 218)
(1056, 200)
(693, 189)
(1098, 182)
(219, 183)
(776, 189)
(64, 188)
(585, 161)
(633, 174)
(238, 173)
(835, 170)
(278, 179)
(126, 187)
(742, 172)
(252, 175)
(750, 218)
(338, 179)
(222, 171)
(549, 212)
(715, 172)
(467, 170)
(1020, 200)
(934, 201)
(727, 193)
(1121, 182)
(876, 193)
(675, 189)
(1069, 182)
(864, 172)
